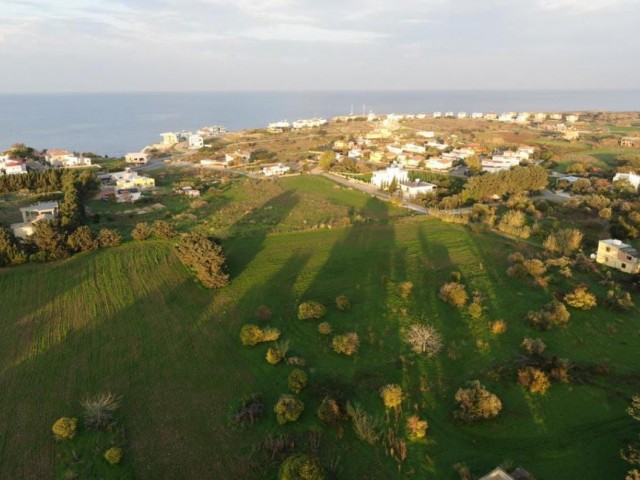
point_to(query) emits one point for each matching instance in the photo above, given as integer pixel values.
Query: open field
(132, 321)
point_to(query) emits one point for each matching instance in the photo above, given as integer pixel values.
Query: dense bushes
(65, 428)
(163, 230)
(552, 314)
(205, 258)
(288, 409)
(311, 311)
(251, 335)
(324, 328)
(301, 467)
(564, 241)
(346, 344)
(82, 240)
(475, 402)
(534, 379)
(581, 298)
(454, 294)
(514, 181)
(365, 426)
(109, 238)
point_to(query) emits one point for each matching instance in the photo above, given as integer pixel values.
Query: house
(521, 118)
(491, 116)
(310, 123)
(497, 474)
(355, 153)
(437, 114)
(463, 153)
(449, 115)
(500, 162)
(477, 115)
(169, 139)
(127, 195)
(64, 158)
(384, 178)
(415, 188)
(505, 117)
(540, 117)
(571, 135)
(11, 167)
(237, 157)
(394, 149)
(426, 134)
(525, 152)
(139, 158)
(196, 142)
(275, 170)
(278, 127)
(571, 118)
(438, 145)
(618, 255)
(128, 179)
(555, 116)
(462, 115)
(569, 179)
(410, 160)
(188, 191)
(439, 163)
(630, 142)
(212, 131)
(32, 215)
(413, 148)
(376, 157)
(372, 116)
(630, 177)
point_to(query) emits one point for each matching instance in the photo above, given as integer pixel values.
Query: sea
(116, 123)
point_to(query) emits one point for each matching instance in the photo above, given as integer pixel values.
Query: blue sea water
(116, 123)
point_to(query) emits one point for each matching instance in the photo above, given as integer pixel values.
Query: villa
(237, 157)
(310, 123)
(32, 215)
(275, 170)
(63, 158)
(462, 115)
(501, 162)
(384, 178)
(618, 255)
(491, 116)
(539, 117)
(413, 148)
(630, 177)
(128, 179)
(139, 158)
(9, 166)
(278, 127)
(571, 118)
(476, 115)
(416, 188)
(439, 163)
(505, 117)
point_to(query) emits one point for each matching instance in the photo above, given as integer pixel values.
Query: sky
(238, 45)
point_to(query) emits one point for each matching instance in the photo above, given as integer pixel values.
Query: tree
(274, 356)
(64, 428)
(163, 230)
(301, 467)
(533, 346)
(108, 237)
(297, 380)
(49, 239)
(534, 379)
(288, 409)
(324, 328)
(330, 412)
(564, 241)
(82, 239)
(416, 428)
(454, 294)
(391, 396)
(205, 258)
(70, 211)
(311, 311)
(141, 231)
(346, 344)
(473, 163)
(581, 298)
(326, 160)
(10, 251)
(552, 314)
(423, 339)
(475, 403)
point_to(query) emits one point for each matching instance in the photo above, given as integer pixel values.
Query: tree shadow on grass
(256, 226)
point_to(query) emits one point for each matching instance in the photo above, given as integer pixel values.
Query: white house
(309, 123)
(630, 177)
(196, 142)
(555, 116)
(63, 158)
(426, 134)
(355, 153)
(438, 145)
(394, 149)
(522, 118)
(462, 115)
(540, 117)
(413, 148)
(415, 188)
(169, 139)
(239, 156)
(616, 254)
(476, 115)
(505, 117)
(449, 115)
(491, 116)
(11, 167)
(275, 170)
(437, 114)
(32, 215)
(500, 162)
(571, 118)
(138, 158)
(383, 178)
(128, 179)
(439, 163)
(278, 127)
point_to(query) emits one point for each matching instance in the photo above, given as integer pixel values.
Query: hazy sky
(171, 45)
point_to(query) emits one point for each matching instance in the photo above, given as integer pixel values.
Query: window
(608, 249)
(628, 257)
(624, 265)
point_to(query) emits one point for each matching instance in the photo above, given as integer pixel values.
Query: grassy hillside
(132, 321)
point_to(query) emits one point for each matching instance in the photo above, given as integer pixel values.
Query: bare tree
(423, 339)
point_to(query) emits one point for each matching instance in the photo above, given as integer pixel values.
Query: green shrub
(65, 428)
(346, 344)
(113, 455)
(205, 258)
(82, 239)
(99, 410)
(552, 314)
(288, 409)
(297, 380)
(311, 310)
(343, 303)
(301, 467)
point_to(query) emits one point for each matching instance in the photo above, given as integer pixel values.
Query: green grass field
(131, 320)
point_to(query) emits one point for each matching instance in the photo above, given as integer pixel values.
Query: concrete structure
(169, 139)
(196, 142)
(618, 255)
(477, 115)
(384, 178)
(32, 215)
(630, 142)
(540, 117)
(555, 116)
(138, 158)
(438, 145)
(505, 117)
(415, 188)
(449, 115)
(212, 131)
(275, 170)
(571, 135)
(630, 177)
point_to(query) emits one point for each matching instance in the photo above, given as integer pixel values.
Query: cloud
(310, 33)
(581, 6)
